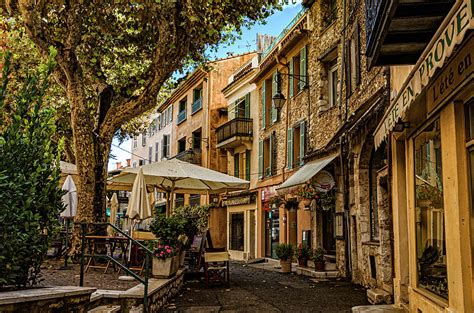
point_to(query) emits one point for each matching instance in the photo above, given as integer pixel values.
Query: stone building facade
(199, 107)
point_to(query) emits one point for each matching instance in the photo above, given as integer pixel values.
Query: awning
(307, 172)
(449, 34)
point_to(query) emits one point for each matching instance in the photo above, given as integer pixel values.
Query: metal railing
(239, 126)
(181, 116)
(148, 255)
(197, 105)
(191, 156)
(283, 33)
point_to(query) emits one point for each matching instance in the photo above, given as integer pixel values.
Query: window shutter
(274, 91)
(263, 106)
(260, 159)
(290, 78)
(303, 68)
(302, 141)
(163, 147)
(236, 165)
(348, 67)
(270, 152)
(357, 57)
(247, 105)
(247, 165)
(170, 114)
(289, 149)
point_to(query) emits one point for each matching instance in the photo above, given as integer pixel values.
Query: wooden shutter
(263, 106)
(236, 165)
(303, 68)
(247, 105)
(260, 159)
(357, 57)
(348, 67)
(289, 149)
(170, 114)
(247, 165)
(270, 152)
(290, 78)
(302, 141)
(274, 91)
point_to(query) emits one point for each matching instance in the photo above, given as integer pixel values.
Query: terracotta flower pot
(303, 262)
(164, 268)
(285, 266)
(319, 266)
(305, 202)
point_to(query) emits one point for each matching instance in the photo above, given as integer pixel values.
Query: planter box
(165, 268)
(182, 257)
(285, 266)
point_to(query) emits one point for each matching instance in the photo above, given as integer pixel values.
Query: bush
(30, 195)
(318, 255)
(303, 251)
(168, 230)
(197, 220)
(284, 251)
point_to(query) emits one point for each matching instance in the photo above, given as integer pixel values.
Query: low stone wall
(159, 292)
(44, 300)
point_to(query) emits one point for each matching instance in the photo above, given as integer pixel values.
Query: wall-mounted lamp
(401, 126)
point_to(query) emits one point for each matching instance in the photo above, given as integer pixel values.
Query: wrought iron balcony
(235, 132)
(197, 105)
(398, 31)
(181, 117)
(191, 155)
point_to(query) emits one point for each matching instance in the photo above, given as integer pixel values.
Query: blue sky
(273, 26)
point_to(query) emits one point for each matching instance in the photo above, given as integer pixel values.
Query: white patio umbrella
(113, 212)
(174, 175)
(70, 201)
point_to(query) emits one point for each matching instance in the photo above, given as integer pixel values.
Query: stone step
(378, 296)
(105, 309)
(311, 272)
(377, 309)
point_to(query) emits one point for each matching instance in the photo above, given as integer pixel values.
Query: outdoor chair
(216, 268)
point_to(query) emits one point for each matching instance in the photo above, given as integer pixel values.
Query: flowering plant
(164, 251)
(308, 192)
(303, 251)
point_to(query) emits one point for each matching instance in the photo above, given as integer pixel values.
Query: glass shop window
(237, 231)
(430, 225)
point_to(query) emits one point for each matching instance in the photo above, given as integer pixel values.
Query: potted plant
(303, 253)
(284, 252)
(318, 259)
(306, 194)
(165, 261)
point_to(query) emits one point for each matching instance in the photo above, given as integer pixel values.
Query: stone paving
(266, 290)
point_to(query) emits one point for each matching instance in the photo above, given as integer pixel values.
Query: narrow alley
(257, 290)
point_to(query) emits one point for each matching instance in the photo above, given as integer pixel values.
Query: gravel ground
(257, 290)
(53, 276)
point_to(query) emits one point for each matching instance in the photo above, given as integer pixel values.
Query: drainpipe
(343, 41)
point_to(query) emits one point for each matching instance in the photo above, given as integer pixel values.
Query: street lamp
(278, 98)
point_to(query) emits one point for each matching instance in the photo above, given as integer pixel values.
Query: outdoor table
(111, 243)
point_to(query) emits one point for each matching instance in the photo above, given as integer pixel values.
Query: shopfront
(242, 226)
(430, 128)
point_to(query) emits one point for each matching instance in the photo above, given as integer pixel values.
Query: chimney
(264, 41)
(119, 165)
(129, 162)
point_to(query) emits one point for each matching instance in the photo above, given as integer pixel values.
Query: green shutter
(302, 141)
(274, 91)
(236, 165)
(270, 155)
(291, 78)
(303, 68)
(247, 165)
(247, 105)
(263, 106)
(260, 159)
(289, 148)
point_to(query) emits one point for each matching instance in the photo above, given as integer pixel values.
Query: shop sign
(237, 201)
(455, 73)
(268, 193)
(459, 21)
(323, 181)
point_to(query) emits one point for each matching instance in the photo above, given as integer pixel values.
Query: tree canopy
(113, 59)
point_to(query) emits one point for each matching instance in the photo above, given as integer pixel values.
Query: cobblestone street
(258, 290)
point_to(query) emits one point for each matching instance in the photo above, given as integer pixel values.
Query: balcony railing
(181, 116)
(191, 155)
(236, 127)
(197, 105)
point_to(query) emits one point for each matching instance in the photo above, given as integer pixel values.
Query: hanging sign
(451, 33)
(323, 181)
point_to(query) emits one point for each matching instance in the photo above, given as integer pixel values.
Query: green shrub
(284, 251)
(168, 230)
(30, 194)
(318, 255)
